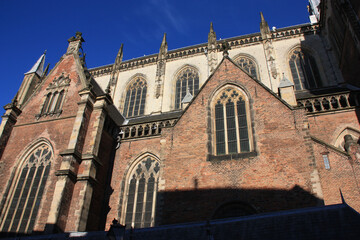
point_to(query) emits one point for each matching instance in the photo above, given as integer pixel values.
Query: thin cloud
(168, 12)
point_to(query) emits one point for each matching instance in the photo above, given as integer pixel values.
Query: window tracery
(26, 191)
(231, 122)
(248, 65)
(304, 70)
(141, 194)
(135, 98)
(188, 78)
(54, 97)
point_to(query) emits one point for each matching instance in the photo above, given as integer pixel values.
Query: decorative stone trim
(67, 173)
(327, 103)
(202, 48)
(144, 129)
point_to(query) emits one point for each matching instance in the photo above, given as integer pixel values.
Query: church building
(249, 125)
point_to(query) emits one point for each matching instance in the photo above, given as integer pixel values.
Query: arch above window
(141, 192)
(186, 79)
(135, 98)
(304, 70)
(23, 201)
(248, 65)
(231, 122)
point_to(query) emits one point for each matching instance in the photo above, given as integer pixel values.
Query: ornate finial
(225, 47)
(78, 36)
(264, 27)
(163, 47)
(262, 17)
(119, 56)
(164, 39)
(212, 36)
(45, 52)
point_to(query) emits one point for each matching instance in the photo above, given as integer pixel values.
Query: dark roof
(154, 118)
(327, 222)
(337, 221)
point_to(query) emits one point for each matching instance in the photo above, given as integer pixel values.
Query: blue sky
(27, 28)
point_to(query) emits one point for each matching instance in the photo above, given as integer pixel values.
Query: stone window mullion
(225, 128)
(144, 201)
(135, 200)
(154, 202)
(36, 195)
(27, 197)
(237, 126)
(19, 199)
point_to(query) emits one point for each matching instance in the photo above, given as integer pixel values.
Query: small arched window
(188, 78)
(135, 98)
(304, 70)
(46, 104)
(248, 65)
(141, 193)
(231, 122)
(53, 102)
(26, 192)
(59, 101)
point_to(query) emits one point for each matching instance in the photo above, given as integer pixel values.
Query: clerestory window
(135, 98)
(304, 70)
(141, 194)
(187, 79)
(23, 200)
(231, 122)
(248, 65)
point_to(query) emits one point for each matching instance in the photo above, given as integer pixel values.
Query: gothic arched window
(135, 98)
(55, 96)
(46, 104)
(304, 70)
(23, 200)
(141, 194)
(231, 122)
(188, 78)
(248, 65)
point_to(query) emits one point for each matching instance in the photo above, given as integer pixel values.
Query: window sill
(234, 156)
(55, 113)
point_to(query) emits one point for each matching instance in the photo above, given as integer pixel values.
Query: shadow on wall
(206, 204)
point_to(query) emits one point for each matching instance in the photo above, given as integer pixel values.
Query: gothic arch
(133, 99)
(248, 64)
(231, 122)
(27, 184)
(313, 77)
(139, 190)
(339, 141)
(191, 80)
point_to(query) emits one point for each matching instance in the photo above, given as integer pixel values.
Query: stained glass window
(304, 70)
(135, 98)
(27, 190)
(248, 65)
(231, 122)
(141, 194)
(188, 78)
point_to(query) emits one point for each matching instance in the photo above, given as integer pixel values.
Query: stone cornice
(234, 42)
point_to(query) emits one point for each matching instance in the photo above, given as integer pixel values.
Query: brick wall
(277, 177)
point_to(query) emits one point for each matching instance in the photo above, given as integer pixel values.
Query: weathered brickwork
(277, 177)
(327, 127)
(170, 154)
